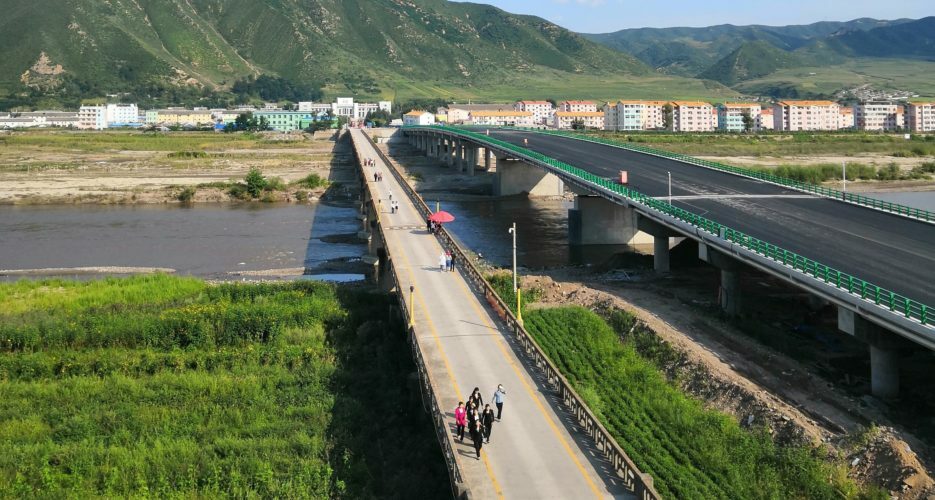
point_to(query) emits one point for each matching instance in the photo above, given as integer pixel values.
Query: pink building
(879, 116)
(541, 110)
(765, 120)
(792, 116)
(920, 116)
(846, 118)
(578, 106)
(564, 120)
(692, 116)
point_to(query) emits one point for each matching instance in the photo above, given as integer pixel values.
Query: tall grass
(161, 386)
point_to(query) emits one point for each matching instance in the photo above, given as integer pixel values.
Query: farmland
(690, 451)
(171, 387)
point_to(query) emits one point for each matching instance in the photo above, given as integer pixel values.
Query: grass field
(690, 451)
(172, 388)
(883, 74)
(125, 140)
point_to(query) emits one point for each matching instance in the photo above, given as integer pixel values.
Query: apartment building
(416, 117)
(795, 115)
(564, 120)
(541, 110)
(460, 113)
(578, 107)
(181, 117)
(765, 119)
(846, 118)
(502, 118)
(634, 115)
(286, 121)
(692, 116)
(39, 119)
(123, 115)
(92, 117)
(920, 116)
(879, 116)
(730, 116)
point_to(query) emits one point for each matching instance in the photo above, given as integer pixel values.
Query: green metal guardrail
(882, 297)
(866, 201)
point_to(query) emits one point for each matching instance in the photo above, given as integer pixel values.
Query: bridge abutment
(518, 177)
(598, 221)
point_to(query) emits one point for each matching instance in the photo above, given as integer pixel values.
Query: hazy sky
(600, 16)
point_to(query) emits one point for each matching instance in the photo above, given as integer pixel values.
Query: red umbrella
(441, 217)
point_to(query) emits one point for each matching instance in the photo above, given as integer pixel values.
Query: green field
(132, 140)
(884, 74)
(172, 388)
(690, 451)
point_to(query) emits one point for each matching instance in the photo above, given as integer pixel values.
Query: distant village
(622, 115)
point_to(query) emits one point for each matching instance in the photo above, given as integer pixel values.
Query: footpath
(532, 452)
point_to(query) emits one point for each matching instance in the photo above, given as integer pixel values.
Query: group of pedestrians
(432, 226)
(446, 261)
(478, 418)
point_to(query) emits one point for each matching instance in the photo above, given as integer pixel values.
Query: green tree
(747, 121)
(256, 182)
(577, 124)
(667, 118)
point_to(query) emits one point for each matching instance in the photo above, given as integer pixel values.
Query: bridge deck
(890, 251)
(532, 453)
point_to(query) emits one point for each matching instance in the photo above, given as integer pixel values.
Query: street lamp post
(516, 290)
(844, 176)
(412, 320)
(670, 187)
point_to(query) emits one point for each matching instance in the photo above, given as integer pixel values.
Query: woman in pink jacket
(460, 420)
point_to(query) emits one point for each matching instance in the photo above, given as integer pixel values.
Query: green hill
(750, 60)
(368, 48)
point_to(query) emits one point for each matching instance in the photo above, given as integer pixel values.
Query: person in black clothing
(452, 266)
(428, 225)
(471, 413)
(487, 419)
(476, 399)
(477, 435)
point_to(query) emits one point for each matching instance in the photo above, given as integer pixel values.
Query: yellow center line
(438, 343)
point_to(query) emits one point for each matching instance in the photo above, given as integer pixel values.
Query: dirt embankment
(128, 176)
(757, 386)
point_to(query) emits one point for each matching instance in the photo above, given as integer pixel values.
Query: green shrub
(301, 195)
(238, 191)
(188, 154)
(311, 181)
(275, 184)
(255, 183)
(186, 194)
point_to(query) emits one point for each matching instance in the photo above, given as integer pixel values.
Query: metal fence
(427, 389)
(879, 296)
(622, 465)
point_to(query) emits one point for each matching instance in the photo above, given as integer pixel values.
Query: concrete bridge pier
(729, 289)
(449, 152)
(884, 352)
(517, 177)
(460, 148)
(472, 152)
(487, 155)
(597, 221)
(663, 240)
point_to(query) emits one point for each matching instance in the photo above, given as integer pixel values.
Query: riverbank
(133, 167)
(172, 387)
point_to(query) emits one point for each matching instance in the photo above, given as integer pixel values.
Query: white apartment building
(123, 115)
(39, 119)
(578, 107)
(565, 120)
(459, 113)
(920, 116)
(92, 117)
(418, 118)
(346, 107)
(793, 116)
(634, 115)
(502, 118)
(846, 119)
(541, 110)
(765, 119)
(692, 116)
(881, 116)
(730, 116)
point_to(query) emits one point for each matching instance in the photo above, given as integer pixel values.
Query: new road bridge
(548, 444)
(875, 261)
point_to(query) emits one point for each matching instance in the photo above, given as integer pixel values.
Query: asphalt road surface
(893, 252)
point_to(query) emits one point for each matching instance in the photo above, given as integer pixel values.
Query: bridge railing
(623, 466)
(857, 199)
(428, 390)
(862, 289)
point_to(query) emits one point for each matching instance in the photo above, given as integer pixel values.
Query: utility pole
(512, 231)
(844, 176)
(516, 290)
(412, 320)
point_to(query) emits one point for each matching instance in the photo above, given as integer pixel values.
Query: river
(204, 240)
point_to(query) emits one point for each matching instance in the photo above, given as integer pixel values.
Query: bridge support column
(449, 152)
(884, 352)
(459, 154)
(472, 159)
(663, 240)
(487, 154)
(597, 221)
(729, 289)
(518, 177)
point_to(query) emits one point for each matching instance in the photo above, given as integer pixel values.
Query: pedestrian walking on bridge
(460, 420)
(487, 419)
(477, 435)
(498, 398)
(452, 266)
(476, 399)
(442, 261)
